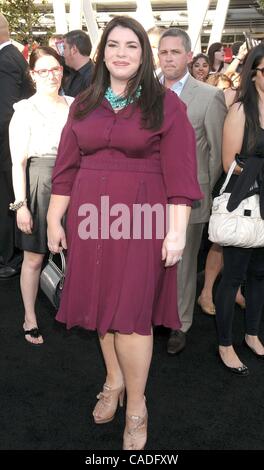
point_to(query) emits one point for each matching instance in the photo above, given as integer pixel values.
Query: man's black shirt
(79, 80)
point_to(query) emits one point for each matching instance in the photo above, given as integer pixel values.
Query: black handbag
(52, 279)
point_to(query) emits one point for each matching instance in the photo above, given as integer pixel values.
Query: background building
(238, 16)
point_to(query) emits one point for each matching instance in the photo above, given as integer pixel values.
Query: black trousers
(240, 264)
(9, 255)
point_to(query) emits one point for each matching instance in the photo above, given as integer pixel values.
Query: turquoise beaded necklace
(118, 101)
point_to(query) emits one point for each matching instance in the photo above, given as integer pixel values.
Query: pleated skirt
(38, 174)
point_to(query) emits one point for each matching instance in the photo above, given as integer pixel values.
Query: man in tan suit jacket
(206, 110)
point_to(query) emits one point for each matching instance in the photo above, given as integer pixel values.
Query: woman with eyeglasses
(243, 141)
(34, 134)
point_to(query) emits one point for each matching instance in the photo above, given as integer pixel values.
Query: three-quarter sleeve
(178, 153)
(68, 160)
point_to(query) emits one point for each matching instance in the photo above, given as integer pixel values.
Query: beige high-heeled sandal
(135, 434)
(207, 307)
(108, 399)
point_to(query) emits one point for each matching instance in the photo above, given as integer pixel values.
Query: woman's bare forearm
(57, 208)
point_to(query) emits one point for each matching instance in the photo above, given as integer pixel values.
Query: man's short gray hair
(178, 33)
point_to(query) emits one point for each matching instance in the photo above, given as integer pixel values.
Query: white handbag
(242, 227)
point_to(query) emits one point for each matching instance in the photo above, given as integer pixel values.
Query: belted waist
(47, 162)
(136, 165)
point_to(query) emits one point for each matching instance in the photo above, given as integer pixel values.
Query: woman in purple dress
(127, 153)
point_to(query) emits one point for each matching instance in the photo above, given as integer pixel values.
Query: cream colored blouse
(35, 133)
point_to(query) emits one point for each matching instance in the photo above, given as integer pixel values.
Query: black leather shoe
(259, 356)
(242, 371)
(7, 272)
(176, 342)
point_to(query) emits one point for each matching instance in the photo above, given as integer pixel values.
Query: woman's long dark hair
(151, 99)
(215, 47)
(248, 94)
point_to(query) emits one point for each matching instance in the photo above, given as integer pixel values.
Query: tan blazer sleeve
(214, 122)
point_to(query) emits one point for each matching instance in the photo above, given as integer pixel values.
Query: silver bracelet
(14, 206)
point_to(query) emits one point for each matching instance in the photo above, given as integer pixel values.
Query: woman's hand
(56, 238)
(172, 249)
(243, 50)
(24, 220)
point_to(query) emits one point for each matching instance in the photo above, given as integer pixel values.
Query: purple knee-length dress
(121, 284)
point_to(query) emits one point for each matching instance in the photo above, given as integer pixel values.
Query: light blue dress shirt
(177, 87)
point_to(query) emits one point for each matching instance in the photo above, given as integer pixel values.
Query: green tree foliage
(260, 9)
(22, 16)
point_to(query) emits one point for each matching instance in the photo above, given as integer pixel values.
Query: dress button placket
(99, 247)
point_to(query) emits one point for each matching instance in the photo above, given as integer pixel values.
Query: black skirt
(38, 174)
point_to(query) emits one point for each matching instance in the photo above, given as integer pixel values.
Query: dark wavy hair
(152, 94)
(201, 55)
(248, 94)
(196, 58)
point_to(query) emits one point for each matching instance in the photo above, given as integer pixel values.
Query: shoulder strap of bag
(228, 176)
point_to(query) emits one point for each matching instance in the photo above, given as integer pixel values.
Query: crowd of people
(115, 160)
